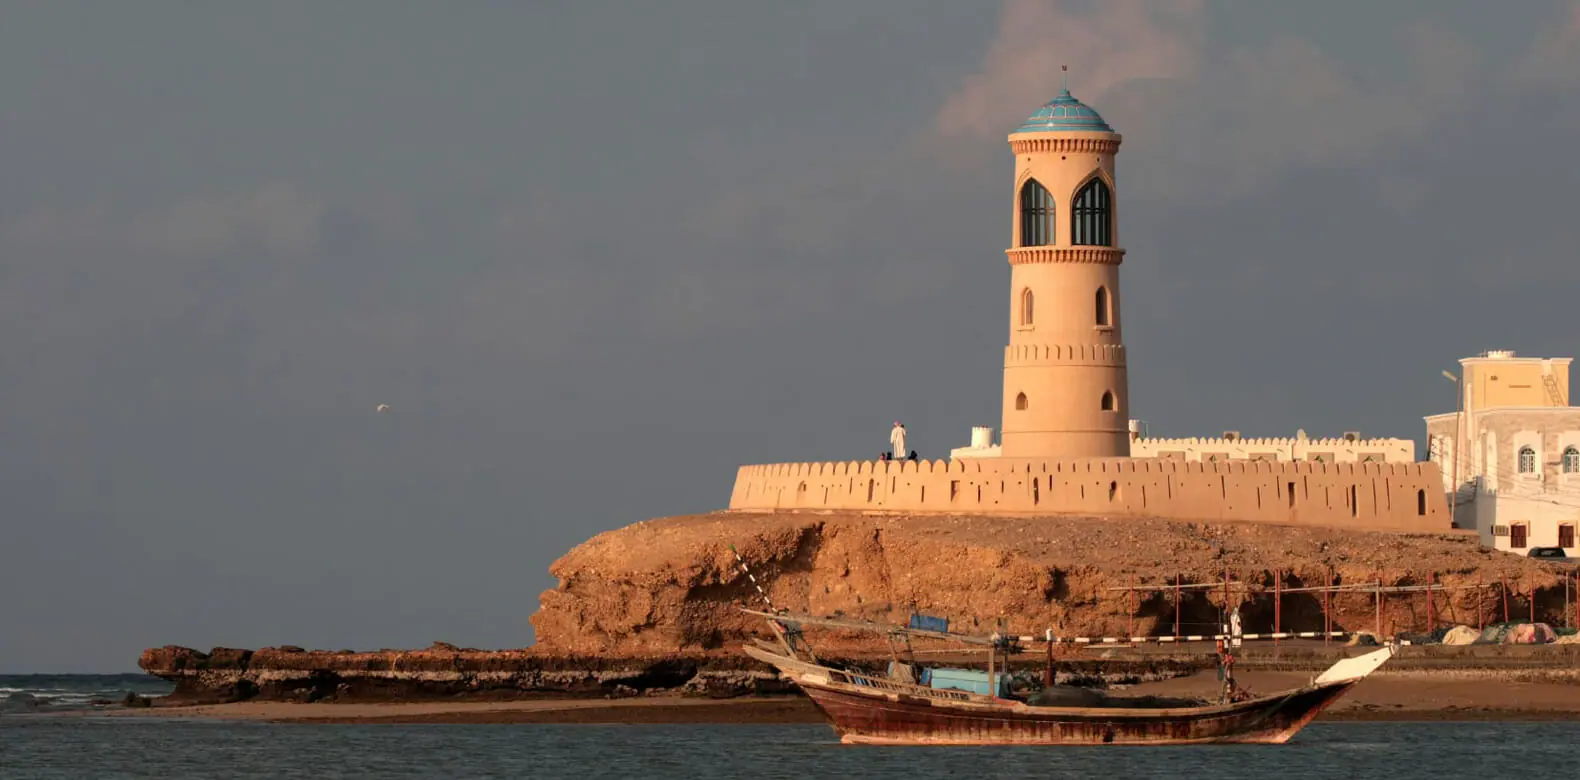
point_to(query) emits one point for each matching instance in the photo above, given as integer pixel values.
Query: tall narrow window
(1527, 460)
(1108, 400)
(1102, 306)
(1036, 215)
(1020, 402)
(1091, 218)
(1025, 306)
(1571, 460)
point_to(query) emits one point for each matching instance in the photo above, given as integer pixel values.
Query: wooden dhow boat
(913, 705)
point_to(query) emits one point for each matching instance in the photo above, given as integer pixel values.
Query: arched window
(1108, 400)
(1571, 460)
(1020, 402)
(1036, 215)
(1102, 306)
(1091, 218)
(1527, 460)
(1025, 306)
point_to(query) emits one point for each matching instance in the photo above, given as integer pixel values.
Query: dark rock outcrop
(442, 671)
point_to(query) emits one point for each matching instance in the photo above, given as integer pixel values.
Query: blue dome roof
(1064, 113)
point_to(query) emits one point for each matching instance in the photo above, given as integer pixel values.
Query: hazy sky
(596, 254)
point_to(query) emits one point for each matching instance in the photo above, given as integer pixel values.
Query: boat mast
(1048, 675)
(992, 689)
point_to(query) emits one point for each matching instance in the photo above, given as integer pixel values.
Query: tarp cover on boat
(922, 622)
(965, 680)
(1517, 634)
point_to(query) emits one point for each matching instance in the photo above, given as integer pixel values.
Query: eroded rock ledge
(442, 671)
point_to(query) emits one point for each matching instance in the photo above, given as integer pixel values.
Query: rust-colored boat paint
(897, 719)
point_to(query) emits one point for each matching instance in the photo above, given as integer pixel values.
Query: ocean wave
(29, 692)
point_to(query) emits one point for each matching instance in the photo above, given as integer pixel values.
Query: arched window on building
(1571, 460)
(1025, 306)
(1091, 216)
(1527, 460)
(1108, 400)
(1103, 317)
(1036, 214)
(1020, 402)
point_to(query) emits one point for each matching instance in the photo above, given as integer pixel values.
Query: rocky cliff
(672, 585)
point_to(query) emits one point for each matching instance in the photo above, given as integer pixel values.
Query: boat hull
(888, 710)
(875, 718)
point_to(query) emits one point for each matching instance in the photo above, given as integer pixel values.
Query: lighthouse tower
(1065, 391)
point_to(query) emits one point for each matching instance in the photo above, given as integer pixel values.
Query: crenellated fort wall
(1404, 497)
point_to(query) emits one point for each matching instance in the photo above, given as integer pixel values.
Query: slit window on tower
(1091, 217)
(1036, 215)
(1025, 306)
(1102, 306)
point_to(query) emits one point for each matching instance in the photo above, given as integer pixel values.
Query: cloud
(1290, 105)
(526, 313)
(1122, 41)
(277, 218)
(1192, 110)
(1553, 60)
(1196, 110)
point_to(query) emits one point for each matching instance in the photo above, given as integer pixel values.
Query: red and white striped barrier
(1139, 640)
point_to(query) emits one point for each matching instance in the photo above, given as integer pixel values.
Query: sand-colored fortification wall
(1406, 497)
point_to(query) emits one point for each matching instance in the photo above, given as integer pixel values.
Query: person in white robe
(897, 441)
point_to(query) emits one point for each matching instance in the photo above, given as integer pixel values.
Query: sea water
(59, 692)
(88, 745)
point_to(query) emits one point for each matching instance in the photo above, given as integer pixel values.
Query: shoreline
(1413, 696)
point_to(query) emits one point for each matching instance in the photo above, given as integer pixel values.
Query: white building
(1511, 454)
(1348, 448)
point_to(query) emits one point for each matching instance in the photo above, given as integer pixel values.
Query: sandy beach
(1395, 697)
